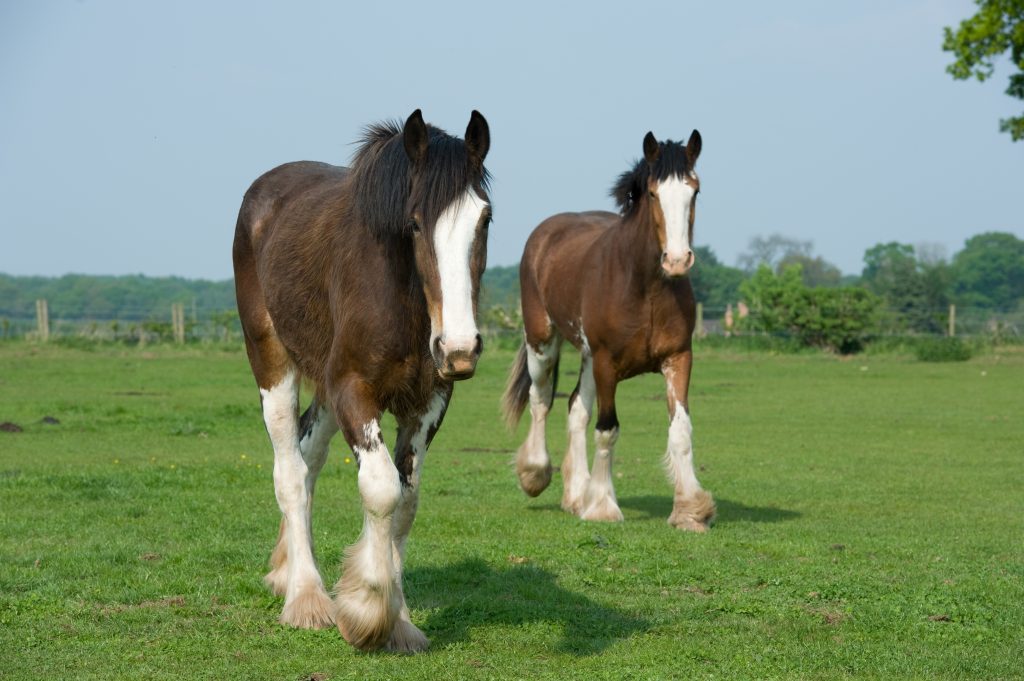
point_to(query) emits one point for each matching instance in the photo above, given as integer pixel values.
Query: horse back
(286, 227)
(552, 273)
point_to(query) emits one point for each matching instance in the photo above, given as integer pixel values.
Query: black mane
(632, 184)
(382, 177)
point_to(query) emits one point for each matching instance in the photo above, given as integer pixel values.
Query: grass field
(871, 525)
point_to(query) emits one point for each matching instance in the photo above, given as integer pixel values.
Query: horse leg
(414, 436)
(369, 597)
(533, 465)
(316, 427)
(575, 476)
(599, 502)
(306, 604)
(692, 507)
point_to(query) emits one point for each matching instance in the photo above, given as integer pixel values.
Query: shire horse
(364, 282)
(614, 286)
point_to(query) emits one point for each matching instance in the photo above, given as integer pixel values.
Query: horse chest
(641, 335)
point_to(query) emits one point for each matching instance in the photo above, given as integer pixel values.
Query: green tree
(989, 272)
(500, 286)
(772, 251)
(996, 27)
(816, 271)
(915, 292)
(779, 252)
(715, 285)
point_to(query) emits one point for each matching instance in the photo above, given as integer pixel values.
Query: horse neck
(389, 262)
(635, 247)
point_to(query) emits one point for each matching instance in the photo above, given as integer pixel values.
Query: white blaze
(454, 234)
(676, 198)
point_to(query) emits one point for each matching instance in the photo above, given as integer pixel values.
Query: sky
(130, 129)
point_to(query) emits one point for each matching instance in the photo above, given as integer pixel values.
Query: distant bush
(943, 350)
(839, 319)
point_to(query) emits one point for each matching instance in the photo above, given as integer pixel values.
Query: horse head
(449, 213)
(671, 190)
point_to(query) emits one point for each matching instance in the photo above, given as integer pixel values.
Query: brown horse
(615, 287)
(363, 280)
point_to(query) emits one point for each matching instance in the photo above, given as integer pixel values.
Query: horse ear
(651, 149)
(414, 136)
(478, 137)
(693, 147)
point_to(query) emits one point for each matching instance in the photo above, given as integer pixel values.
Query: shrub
(943, 350)
(839, 319)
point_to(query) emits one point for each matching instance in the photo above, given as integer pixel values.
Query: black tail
(517, 390)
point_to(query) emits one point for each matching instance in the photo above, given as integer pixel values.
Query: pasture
(870, 525)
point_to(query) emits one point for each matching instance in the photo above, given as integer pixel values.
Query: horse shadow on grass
(473, 593)
(655, 506)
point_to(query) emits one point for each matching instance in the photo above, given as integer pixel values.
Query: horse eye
(414, 225)
(652, 194)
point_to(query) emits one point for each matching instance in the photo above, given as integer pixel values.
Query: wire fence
(196, 324)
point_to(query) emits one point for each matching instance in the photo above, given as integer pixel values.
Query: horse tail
(517, 390)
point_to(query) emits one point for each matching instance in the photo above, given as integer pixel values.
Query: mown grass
(871, 517)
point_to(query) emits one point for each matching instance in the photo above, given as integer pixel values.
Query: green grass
(871, 525)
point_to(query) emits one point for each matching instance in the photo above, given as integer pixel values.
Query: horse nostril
(479, 347)
(438, 343)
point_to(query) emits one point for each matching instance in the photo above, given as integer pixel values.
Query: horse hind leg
(575, 476)
(533, 464)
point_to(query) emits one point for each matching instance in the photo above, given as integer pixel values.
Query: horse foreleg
(294, 573)
(693, 507)
(369, 598)
(533, 464)
(599, 502)
(414, 438)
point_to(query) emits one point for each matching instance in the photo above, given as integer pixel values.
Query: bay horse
(614, 286)
(363, 281)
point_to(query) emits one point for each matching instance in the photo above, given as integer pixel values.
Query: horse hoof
(311, 609)
(534, 479)
(687, 524)
(407, 639)
(573, 506)
(277, 581)
(603, 511)
(695, 514)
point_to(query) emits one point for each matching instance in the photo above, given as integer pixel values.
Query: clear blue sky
(130, 129)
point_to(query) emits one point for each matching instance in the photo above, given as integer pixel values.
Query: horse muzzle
(456, 358)
(674, 266)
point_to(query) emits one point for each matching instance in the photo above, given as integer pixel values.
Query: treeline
(785, 288)
(82, 297)
(77, 297)
(913, 282)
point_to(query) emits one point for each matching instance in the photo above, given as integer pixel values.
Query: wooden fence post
(43, 319)
(178, 322)
(699, 326)
(952, 320)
